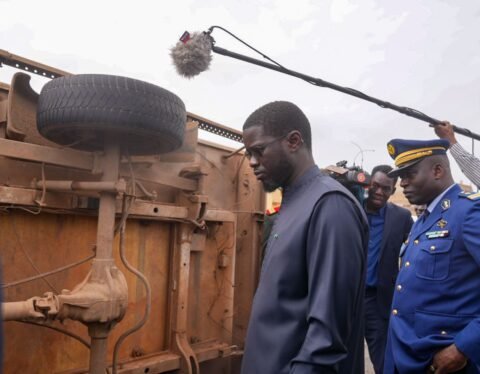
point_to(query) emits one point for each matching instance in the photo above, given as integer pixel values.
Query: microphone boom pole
(349, 91)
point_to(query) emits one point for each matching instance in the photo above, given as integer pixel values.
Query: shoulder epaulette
(470, 195)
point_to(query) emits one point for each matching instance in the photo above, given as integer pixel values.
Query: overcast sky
(421, 54)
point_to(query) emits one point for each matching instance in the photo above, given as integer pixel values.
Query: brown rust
(195, 236)
(35, 67)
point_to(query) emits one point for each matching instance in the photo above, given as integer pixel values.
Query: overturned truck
(128, 244)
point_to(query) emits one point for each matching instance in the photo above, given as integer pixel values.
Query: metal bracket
(30, 66)
(189, 362)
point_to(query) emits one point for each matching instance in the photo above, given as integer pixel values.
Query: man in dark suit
(389, 227)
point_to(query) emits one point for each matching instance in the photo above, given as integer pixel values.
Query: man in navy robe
(307, 314)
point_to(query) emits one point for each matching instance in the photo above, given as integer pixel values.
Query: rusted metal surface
(21, 109)
(60, 157)
(118, 186)
(160, 174)
(247, 270)
(18, 309)
(86, 161)
(51, 241)
(179, 289)
(15, 197)
(216, 128)
(193, 231)
(31, 66)
(4, 90)
(152, 364)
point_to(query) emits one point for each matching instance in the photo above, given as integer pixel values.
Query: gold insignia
(445, 204)
(470, 195)
(442, 223)
(391, 149)
(474, 196)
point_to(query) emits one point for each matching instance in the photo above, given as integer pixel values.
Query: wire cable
(148, 291)
(65, 332)
(246, 44)
(58, 270)
(29, 258)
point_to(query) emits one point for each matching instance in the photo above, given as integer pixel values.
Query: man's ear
(438, 171)
(393, 190)
(294, 140)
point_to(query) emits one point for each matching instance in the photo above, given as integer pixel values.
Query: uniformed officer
(435, 322)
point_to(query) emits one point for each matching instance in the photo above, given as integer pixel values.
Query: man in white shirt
(469, 164)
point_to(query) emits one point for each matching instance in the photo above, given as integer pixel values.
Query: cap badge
(391, 149)
(442, 223)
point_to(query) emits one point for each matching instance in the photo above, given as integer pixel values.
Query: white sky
(417, 53)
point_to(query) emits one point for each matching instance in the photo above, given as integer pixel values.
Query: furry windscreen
(193, 56)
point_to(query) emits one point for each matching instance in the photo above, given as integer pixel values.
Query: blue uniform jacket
(437, 293)
(307, 311)
(398, 222)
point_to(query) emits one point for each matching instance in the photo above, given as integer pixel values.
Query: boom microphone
(192, 54)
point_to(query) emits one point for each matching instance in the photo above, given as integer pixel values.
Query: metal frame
(190, 213)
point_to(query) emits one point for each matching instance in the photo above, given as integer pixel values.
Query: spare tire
(82, 110)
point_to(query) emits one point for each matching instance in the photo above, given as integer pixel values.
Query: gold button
(395, 312)
(432, 248)
(406, 241)
(407, 264)
(443, 332)
(415, 241)
(399, 287)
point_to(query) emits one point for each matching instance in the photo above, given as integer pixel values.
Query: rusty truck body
(121, 262)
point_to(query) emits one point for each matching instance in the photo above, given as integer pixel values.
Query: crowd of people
(336, 271)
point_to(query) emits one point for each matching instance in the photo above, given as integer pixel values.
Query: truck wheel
(82, 110)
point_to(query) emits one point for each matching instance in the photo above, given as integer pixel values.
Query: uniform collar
(435, 201)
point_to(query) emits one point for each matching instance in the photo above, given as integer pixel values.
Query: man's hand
(444, 130)
(448, 360)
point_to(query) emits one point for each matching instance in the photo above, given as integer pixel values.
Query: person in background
(389, 228)
(268, 221)
(307, 313)
(435, 316)
(468, 163)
